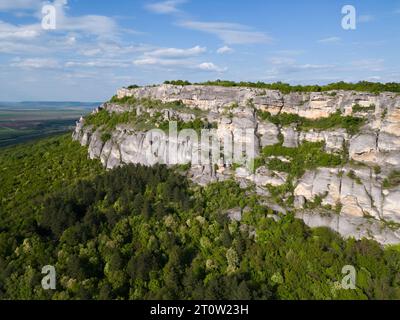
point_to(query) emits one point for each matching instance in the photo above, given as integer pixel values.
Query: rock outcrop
(360, 202)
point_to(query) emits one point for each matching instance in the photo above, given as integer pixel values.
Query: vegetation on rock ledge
(363, 86)
(107, 121)
(334, 121)
(307, 156)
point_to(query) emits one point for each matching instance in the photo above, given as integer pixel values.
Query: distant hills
(49, 104)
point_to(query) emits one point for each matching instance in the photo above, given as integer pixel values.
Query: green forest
(138, 232)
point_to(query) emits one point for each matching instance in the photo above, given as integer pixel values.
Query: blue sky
(99, 46)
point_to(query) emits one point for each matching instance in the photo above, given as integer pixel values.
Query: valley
(25, 121)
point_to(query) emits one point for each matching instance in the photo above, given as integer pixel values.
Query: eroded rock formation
(357, 194)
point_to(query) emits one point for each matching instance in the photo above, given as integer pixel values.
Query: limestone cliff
(357, 198)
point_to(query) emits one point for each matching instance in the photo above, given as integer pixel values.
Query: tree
(138, 204)
(146, 210)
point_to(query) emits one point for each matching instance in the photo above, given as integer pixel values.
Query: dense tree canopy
(146, 233)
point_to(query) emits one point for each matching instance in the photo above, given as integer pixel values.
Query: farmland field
(24, 121)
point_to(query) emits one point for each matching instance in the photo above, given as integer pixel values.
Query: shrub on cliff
(334, 121)
(307, 156)
(364, 86)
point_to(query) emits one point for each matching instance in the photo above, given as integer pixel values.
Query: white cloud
(230, 33)
(71, 40)
(35, 63)
(90, 24)
(170, 57)
(97, 64)
(112, 49)
(366, 18)
(80, 75)
(11, 5)
(9, 31)
(160, 62)
(330, 40)
(209, 66)
(87, 24)
(90, 52)
(225, 49)
(310, 66)
(178, 63)
(165, 7)
(11, 47)
(176, 53)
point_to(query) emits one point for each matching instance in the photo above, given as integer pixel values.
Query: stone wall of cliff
(360, 188)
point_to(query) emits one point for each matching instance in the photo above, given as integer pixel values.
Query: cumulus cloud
(87, 35)
(176, 52)
(209, 66)
(165, 7)
(171, 57)
(88, 24)
(230, 33)
(224, 49)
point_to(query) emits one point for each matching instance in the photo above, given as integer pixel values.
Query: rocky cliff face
(359, 197)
